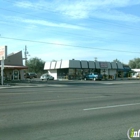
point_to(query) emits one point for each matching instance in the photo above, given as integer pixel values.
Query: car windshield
(32, 73)
(96, 73)
(45, 74)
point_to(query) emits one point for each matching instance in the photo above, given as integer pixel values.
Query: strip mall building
(75, 69)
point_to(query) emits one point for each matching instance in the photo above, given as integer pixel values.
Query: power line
(85, 36)
(63, 31)
(50, 43)
(10, 23)
(76, 24)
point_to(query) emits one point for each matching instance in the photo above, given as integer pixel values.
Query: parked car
(135, 75)
(93, 76)
(30, 75)
(46, 76)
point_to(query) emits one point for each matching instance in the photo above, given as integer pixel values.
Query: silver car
(46, 76)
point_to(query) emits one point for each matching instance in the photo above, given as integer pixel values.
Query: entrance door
(15, 74)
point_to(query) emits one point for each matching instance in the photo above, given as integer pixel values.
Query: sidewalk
(20, 83)
(27, 83)
(39, 83)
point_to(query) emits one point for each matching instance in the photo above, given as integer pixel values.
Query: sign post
(3, 55)
(2, 68)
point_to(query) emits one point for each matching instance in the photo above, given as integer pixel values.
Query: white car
(46, 76)
(135, 75)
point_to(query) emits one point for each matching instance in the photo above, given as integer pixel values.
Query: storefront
(76, 69)
(13, 67)
(14, 72)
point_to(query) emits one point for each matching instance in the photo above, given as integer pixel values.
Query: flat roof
(82, 64)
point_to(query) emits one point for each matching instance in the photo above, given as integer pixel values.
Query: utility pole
(95, 58)
(25, 55)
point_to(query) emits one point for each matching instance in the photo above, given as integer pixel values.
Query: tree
(135, 63)
(116, 60)
(35, 65)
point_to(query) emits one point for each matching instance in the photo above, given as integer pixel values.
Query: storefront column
(21, 73)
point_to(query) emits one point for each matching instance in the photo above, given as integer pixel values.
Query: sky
(72, 29)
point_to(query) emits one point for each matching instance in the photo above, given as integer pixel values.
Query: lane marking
(119, 82)
(51, 100)
(125, 82)
(114, 106)
(57, 85)
(108, 83)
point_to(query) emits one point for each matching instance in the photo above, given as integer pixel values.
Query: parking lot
(77, 110)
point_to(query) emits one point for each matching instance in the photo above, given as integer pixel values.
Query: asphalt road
(70, 111)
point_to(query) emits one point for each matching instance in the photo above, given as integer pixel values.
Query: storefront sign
(103, 64)
(3, 52)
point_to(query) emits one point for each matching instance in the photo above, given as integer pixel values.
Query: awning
(14, 67)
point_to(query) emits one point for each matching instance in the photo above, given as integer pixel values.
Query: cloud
(84, 9)
(24, 4)
(116, 15)
(36, 5)
(51, 24)
(102, 9)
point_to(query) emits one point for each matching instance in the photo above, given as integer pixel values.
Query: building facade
(76, 69)
(13, 66)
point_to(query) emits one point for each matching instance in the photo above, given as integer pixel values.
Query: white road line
(107, 107)
(57, 85)
(120, 82)
(108, 83)
(127, 82)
